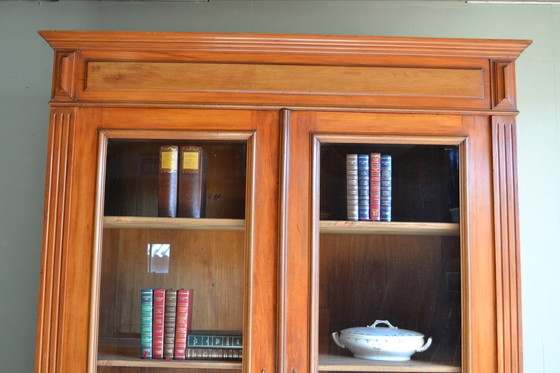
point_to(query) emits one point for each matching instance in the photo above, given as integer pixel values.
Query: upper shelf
(141, 222)
(392, 228)
(326, 226)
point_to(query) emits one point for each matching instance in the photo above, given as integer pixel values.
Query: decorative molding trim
(273, 43)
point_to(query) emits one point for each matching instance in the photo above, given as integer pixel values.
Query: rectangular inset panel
(285, 79)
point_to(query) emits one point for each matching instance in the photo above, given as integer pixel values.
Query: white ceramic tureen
(387, 343)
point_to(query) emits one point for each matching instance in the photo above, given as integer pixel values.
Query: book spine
(146, 310)
(352, 186)
(214, 341)
(214, 353)
(169, 324)
(183, 322)
(363, 186)
(386, 187)
(159, 320)
(193, 175)
(167, 192)
(374, 186)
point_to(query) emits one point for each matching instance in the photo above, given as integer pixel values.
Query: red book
(183, 322)
(374, 186)
(158, 323)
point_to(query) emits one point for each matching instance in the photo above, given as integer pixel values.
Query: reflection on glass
(158, 257)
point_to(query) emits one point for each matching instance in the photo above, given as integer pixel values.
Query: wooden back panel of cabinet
(214, 82)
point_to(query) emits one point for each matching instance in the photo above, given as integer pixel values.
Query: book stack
(183, 174)
(214, 345)
(368, 186)
(165, 322)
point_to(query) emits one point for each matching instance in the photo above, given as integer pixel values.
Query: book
(352, 186)
(146, 311)
(215, 339)
(386, 188)
(169, 323)
(213, 353)
(193, 175)
(158, 323)
(363, 186)
(167, 191)
(374, 186)
(182, 322)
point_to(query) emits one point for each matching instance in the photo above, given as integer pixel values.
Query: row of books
(165, 319)
(183, 174)
(166, 316)
(368, 186)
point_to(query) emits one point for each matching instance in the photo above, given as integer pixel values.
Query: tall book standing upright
(146, 324)
(193, 175)
(183, 322)
(352, 186)
(386, 187)
(167, 192)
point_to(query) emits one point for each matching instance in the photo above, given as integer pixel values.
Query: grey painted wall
(25, 70)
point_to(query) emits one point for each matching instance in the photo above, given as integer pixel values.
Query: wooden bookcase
(275, 257)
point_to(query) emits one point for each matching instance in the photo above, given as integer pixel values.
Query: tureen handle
(377, 322)
(337, 340)
(426, 345)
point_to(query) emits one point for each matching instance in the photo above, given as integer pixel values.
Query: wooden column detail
(508, 287)
(55, 236)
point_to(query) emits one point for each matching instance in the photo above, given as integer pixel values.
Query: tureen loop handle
(377, 322)
(337, 340)
(426, 345)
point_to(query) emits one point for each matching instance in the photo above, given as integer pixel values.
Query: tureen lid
(374, 330)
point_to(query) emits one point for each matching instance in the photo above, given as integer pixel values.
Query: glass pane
(161, 274)
(132, 177)
(424, 181)
(405, 270)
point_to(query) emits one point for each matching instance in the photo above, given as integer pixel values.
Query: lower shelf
(124, 361)
(124, 352)
(349, 364)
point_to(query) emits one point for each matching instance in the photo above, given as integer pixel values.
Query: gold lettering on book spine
(169, 158)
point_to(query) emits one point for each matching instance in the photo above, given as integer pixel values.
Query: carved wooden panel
(286, 83)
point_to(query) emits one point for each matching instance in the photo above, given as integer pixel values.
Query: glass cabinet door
(381, 241)
(389, 269)
(180, 241)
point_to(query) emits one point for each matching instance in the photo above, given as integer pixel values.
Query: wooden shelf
(140, 222)
(389, 228)
(124, 361)
(350, 364)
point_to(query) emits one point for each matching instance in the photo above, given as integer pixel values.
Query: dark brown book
(193, 176)
(167, 193)
(169, 323)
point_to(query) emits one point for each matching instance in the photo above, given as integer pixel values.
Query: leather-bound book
(193, 176)
(167, 193)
